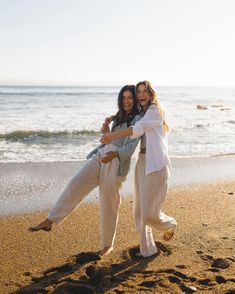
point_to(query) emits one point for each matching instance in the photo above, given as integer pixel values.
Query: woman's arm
(125, 152)
(150, 120)
(109, 156)
(107, 138)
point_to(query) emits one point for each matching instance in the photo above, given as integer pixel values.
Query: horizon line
(98, 84)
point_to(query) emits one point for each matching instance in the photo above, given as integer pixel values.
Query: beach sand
(200, 257)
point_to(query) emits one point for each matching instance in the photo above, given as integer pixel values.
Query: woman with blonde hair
(152, 170)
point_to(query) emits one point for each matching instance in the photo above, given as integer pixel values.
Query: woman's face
(127, 101)
(144, 97)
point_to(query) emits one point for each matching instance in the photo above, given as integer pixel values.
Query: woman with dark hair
(152, 171)
(106, 167)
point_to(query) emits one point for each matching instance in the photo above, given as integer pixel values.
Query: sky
(110, 42)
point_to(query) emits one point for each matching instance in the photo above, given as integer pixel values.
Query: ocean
(48, 124)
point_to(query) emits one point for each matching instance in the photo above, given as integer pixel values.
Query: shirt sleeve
(151, 120)
(125, 152)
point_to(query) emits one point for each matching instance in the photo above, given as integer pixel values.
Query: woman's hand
(105, 127)
(107, 138)
(108, 120)
(109, 156)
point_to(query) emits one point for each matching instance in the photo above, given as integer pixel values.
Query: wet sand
(33, 186)
(200, 257)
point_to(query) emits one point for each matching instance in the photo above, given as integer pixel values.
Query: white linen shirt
(156, 140)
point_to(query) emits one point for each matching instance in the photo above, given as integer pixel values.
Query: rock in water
(202, 107)
(225, 108)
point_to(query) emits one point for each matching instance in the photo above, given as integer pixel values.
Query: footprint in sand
(206, 282)
(221, 263)
(177, 274)
(199, 251)
(207, 257)
(181, 266)
(220, 280)
(149, 284)
(181, 282)
(213, 270)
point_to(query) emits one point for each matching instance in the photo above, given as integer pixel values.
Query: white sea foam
(63, 123)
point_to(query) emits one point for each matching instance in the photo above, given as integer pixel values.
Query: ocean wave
(23, 135)
(202, 155)
(80, 93)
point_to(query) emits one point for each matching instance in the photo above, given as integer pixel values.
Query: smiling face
(127, 101)
(143, 96)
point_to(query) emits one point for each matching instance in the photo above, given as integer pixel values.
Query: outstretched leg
(78, 188)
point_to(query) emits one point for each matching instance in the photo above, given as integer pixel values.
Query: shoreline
(54, 261)
(35, 186)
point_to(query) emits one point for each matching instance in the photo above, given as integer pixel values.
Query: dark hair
(120, 117)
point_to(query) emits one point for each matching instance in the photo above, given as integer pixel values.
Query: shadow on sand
(85, 273)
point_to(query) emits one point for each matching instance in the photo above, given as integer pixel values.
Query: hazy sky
(169, 42)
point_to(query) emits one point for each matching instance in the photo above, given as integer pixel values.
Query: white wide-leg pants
(150, 195)
(92, 174)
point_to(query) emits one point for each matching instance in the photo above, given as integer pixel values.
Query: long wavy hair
(121, 117)
(154, 100)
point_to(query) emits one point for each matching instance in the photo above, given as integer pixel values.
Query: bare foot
(45, 225)
(168, 235)
(105, 251)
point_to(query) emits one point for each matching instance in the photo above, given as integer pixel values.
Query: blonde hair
(154, 100)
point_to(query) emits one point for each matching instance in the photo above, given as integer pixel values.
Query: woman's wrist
(113, 135)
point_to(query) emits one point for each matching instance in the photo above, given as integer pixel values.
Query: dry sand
(200, 257)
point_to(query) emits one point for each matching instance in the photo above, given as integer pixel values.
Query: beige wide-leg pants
(92, 174)
(150, 195)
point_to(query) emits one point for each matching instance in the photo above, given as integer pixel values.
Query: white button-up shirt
(156, 140)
